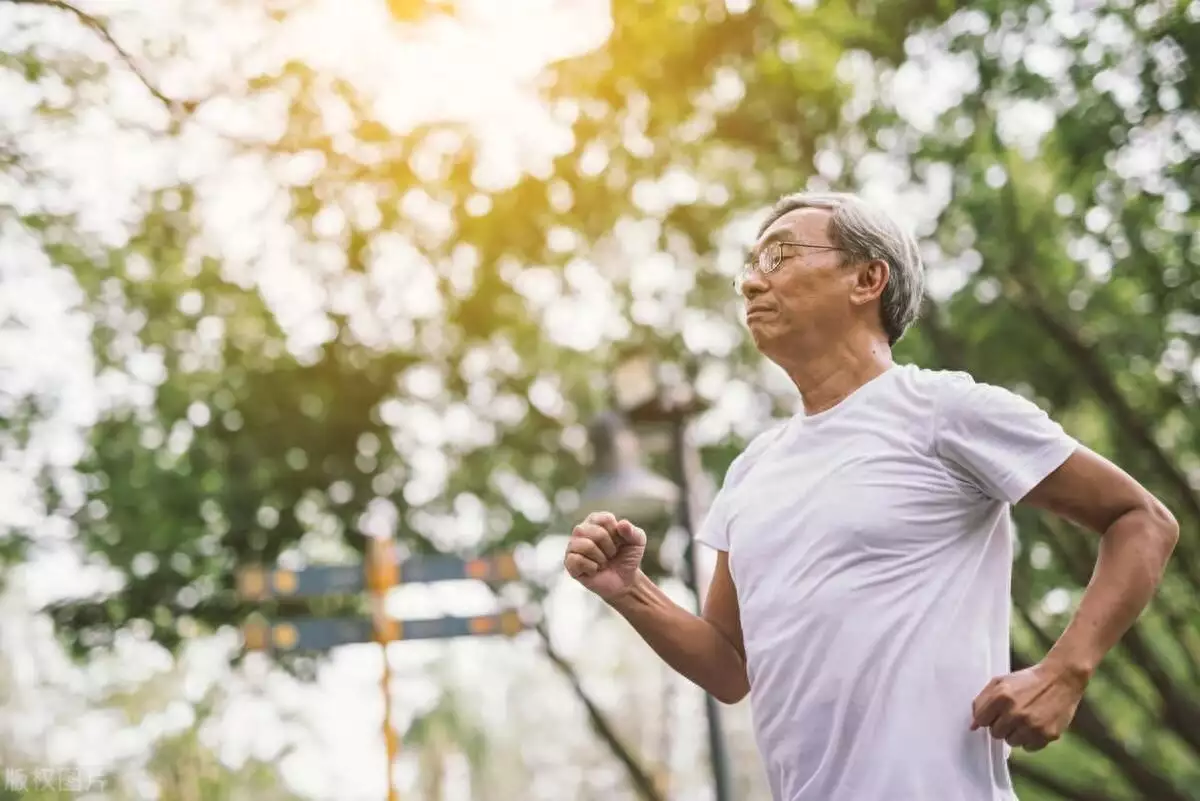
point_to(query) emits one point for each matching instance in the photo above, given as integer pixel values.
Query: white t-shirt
(871, 548)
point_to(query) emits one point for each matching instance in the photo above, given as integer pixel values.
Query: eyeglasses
(769, 258)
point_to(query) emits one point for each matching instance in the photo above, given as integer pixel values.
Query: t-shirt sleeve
(714, 530)
(999, 442)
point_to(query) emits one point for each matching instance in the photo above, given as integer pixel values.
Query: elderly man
(864, 546)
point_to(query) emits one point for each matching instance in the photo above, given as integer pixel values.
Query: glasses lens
(768, 258)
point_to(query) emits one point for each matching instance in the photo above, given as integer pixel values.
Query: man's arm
(708, 650)
(605, 556)
(1138, 534)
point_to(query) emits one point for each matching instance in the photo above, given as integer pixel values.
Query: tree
(41, 700)
(446, 731)
(1051, 181)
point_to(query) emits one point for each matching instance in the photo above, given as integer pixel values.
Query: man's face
(809, 294)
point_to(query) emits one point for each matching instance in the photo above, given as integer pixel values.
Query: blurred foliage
(1062, 265)
(180, 761)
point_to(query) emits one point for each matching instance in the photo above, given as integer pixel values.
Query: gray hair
(866, 232)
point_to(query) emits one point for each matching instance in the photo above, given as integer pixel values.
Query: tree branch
(1180, 624)
(642, 782)
(1087, 361)
(1096, 373)
(1179, 711)
(1092, 729)
(1048, 781)
(100, 29)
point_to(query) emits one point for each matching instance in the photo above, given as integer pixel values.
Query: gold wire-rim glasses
(769, 259)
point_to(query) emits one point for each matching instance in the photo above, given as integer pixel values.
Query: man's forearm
(689, 644)
(1133, 554)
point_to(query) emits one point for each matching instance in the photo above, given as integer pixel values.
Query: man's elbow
(733, 692)
(737, 697)
(1160, 526)
(1164, 524)
(1169, 525)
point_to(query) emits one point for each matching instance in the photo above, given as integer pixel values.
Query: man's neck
(829, 377)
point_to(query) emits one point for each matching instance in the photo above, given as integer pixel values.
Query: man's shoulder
(959, 400)
(958, 389)
(763, 439)
(754, 449)
(937, 379)
(932, 388)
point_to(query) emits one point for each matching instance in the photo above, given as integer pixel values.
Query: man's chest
(839, 506)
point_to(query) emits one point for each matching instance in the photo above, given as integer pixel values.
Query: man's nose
(753, 284)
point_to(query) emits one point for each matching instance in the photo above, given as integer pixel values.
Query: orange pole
(389, 733)
(382, 575)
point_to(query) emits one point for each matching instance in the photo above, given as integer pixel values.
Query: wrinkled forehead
(810, 226)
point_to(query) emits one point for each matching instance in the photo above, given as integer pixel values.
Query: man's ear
(870, 279)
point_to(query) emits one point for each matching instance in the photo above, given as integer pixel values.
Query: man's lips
(757, 311)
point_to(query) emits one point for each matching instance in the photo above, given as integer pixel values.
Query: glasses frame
(770, 257)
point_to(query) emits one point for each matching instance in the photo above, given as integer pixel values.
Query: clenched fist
(604, 554)
(1030, 708)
